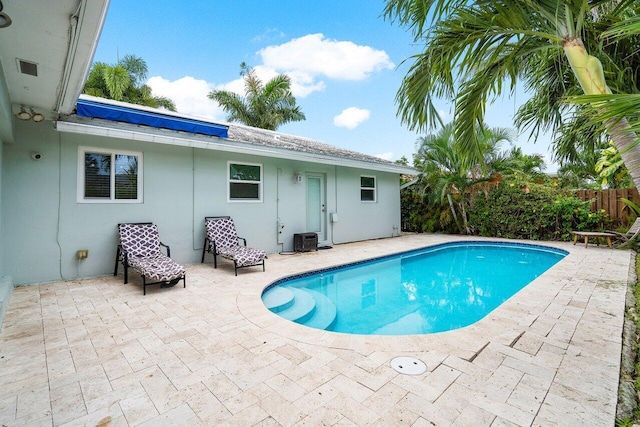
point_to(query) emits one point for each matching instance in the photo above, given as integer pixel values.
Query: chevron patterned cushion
(160, 267)
(140, 240)
(222, 231)
(242, 255)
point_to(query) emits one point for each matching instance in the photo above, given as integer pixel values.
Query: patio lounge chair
(222, 239)
(139, 249)
(625, 239)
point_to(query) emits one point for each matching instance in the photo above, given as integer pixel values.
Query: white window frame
(230, 181)
(374, 189)
(112, 182)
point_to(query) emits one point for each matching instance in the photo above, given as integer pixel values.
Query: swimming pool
(433, 289)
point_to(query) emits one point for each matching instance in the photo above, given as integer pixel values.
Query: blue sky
(345, 61)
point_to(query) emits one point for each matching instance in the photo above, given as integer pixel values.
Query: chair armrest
(618, 234)
(122, 254)
(168, 249)
(243, 240)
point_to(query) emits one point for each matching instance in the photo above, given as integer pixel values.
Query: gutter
(80, 125)
(85, 27)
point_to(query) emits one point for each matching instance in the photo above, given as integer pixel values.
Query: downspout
(71, 50)
(195, 245)
(335, 191)
(278, 173)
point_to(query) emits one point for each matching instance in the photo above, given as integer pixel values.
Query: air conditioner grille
(29, 68)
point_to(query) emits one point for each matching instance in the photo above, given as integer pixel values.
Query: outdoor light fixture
(36, 117)
(297, 177)
(24, 114)
(30, 115)
(5, 21)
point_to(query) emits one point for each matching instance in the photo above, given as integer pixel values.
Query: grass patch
(633, 314)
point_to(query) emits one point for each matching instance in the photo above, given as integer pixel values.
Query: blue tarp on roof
(86, 108)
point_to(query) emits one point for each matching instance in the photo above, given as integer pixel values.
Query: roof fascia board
(85, 28)
(218, 144)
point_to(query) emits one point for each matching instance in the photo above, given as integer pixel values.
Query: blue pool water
(435, 289)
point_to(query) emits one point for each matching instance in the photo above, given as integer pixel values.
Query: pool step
(278, 299)
(325, 314)
(302, 308)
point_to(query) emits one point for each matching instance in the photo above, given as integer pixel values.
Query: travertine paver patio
(97, 352)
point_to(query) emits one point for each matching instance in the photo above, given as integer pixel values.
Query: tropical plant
(265, 106)
(450, 175)
(611, 171)
(476, 50)
(613, 106)
(521, 209)
(578, 174)
(531, 165)
(124, 81)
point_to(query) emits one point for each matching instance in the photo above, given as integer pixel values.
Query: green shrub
(419, 215)
(520, 210)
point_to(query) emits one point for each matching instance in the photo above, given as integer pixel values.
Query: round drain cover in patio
(408, 365)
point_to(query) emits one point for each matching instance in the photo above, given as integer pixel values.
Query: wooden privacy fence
(609, 200)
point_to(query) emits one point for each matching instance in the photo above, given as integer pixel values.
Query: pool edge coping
(466, 342)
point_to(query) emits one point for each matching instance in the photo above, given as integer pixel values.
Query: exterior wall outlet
(280, 225)
(82, 253)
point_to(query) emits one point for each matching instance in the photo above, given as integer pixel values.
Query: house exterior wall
(6, 282)
(43, 225)
(358, 220)
(6, 137)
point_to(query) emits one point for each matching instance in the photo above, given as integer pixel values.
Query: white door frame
(316, 205)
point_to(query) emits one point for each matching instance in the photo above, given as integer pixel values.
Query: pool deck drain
(408, 365)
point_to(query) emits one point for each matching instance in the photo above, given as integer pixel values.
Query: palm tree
(581, 172)
(475, 50)
(265, 106)
(613, 106)
(531, 165)
(124, 82)
(451, 175)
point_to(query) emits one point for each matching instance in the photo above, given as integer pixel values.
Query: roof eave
(161, 136)
(84, 36)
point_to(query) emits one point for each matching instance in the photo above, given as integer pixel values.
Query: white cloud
(385, 156)
(443, 115)
(189, 95)
(351, 117)
(302, 84)
(310, 57)
(305, 60)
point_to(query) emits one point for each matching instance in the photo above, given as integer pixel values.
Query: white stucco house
(72, 167)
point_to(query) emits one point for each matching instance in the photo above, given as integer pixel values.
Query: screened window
(245, 182)
(368, 188)
(109, 176)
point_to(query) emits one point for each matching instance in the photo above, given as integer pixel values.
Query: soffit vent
(27, 67)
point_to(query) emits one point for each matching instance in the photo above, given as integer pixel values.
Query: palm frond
(117, 81)
(265, 106)
(603, 108)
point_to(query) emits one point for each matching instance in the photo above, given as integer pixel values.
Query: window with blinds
(109, 176)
